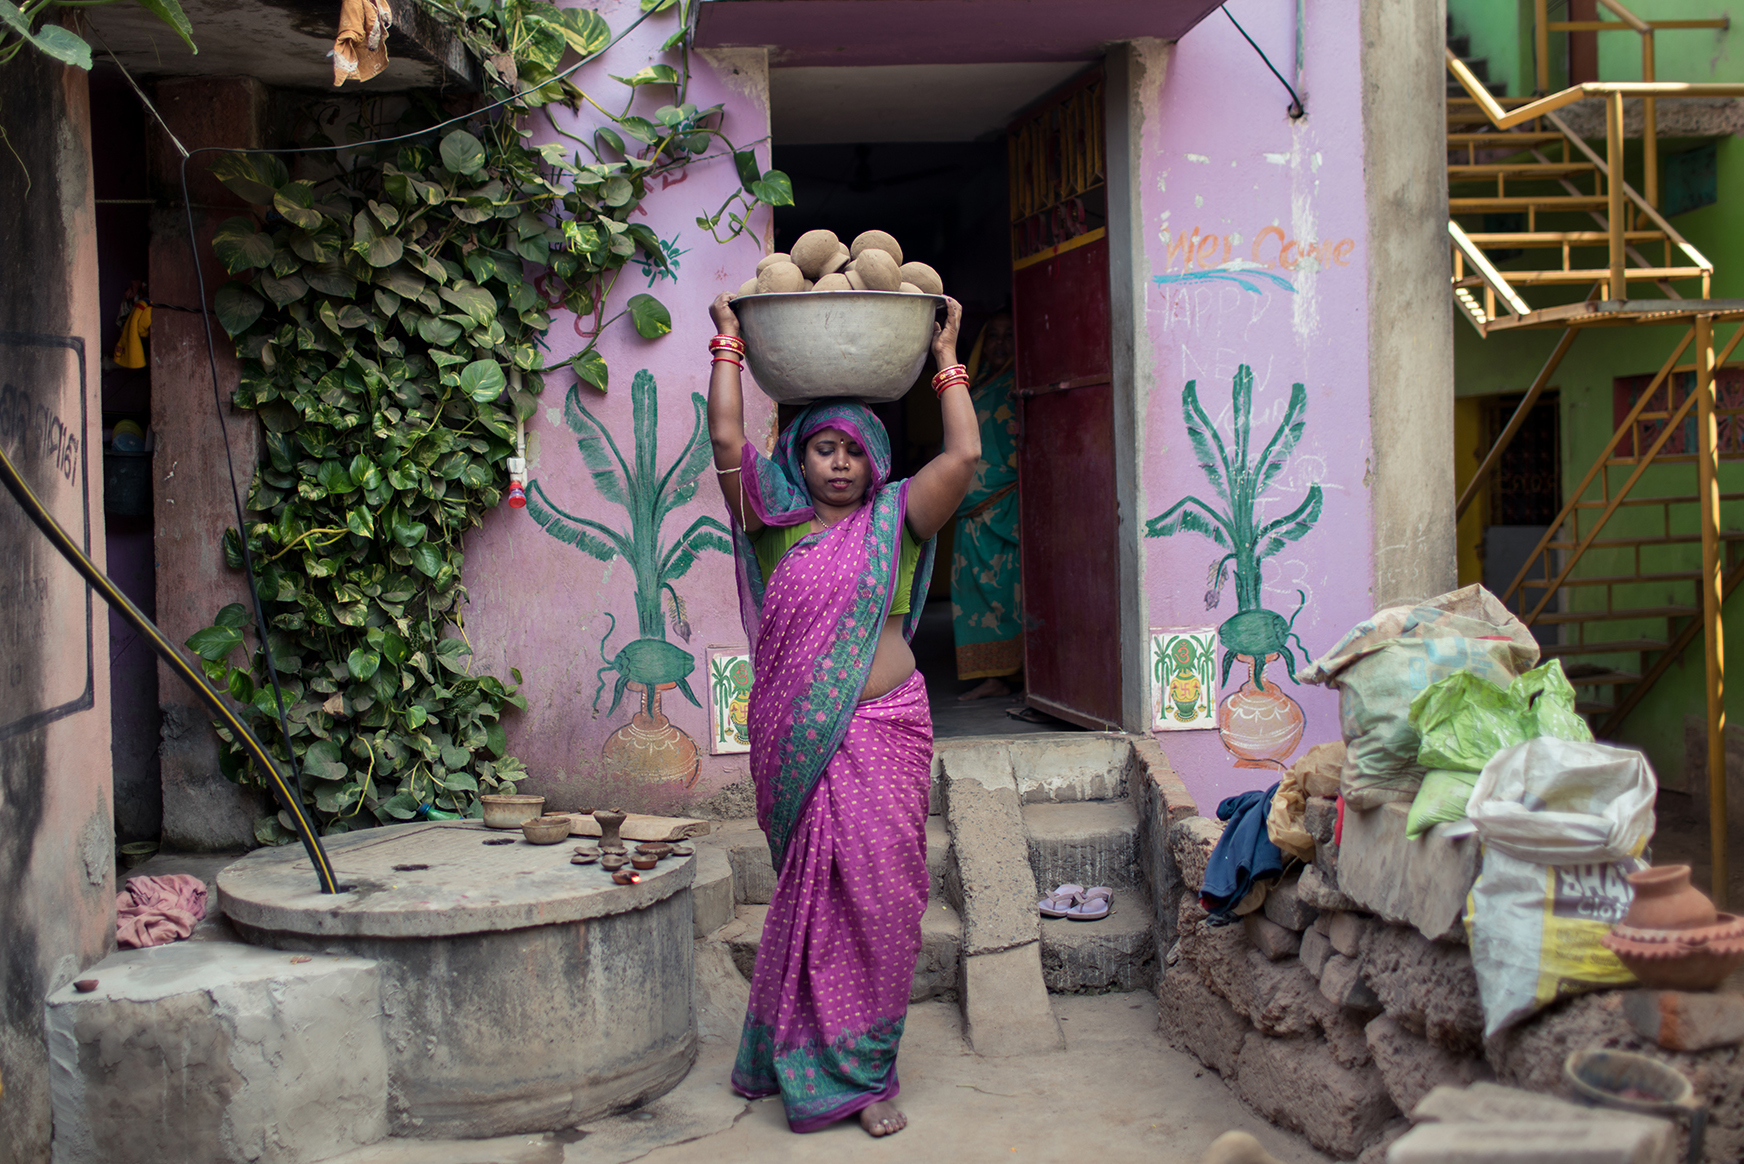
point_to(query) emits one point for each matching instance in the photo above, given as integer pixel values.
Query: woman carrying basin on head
(833, 563)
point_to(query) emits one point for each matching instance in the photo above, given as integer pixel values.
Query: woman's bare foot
(882, 1119)
(991, 688)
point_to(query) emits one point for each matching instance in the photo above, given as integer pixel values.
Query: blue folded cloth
(1244, 853)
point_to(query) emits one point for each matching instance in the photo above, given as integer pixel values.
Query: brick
(1320, 818)
(1270, 938)
(1681, 1021)
(1297, 1084)
(1347, 931)
(1316, 948)
(1346, 1037)
(1411, 1066)
(1323, 924)
(1428, 986)
(1558, 1142)
(1285, 907)
(1190, 844)
(1196, 1019)
(1422, 882)
(1341, 982)
(1314, 890)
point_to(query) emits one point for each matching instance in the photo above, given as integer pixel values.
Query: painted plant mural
(1258, 723)
(649, 749)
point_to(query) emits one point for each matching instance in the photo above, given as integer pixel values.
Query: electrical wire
(1297, 108)
(220, 708)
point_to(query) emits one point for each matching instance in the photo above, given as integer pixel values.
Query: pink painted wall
(544, 606)
(1253, 228)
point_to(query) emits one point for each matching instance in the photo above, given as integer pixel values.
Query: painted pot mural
(649, 749)
(1258, 723)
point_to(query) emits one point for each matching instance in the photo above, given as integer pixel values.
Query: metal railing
(1626, 21)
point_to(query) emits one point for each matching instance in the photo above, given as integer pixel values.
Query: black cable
(1297, 109)
(165, 650)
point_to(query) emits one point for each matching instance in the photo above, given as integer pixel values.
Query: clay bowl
(1628, 1082)
(644, 861)
(806, 345)
(545, 830)
(612, 862)
(510, 812)
(682, 850)
(659, 850)
(584, 858)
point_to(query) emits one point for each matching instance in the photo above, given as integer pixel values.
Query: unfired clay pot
(610, 821)
(1665, 900)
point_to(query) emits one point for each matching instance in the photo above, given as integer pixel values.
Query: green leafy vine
(390, 319)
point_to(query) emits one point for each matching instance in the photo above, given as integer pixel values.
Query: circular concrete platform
(520, 993)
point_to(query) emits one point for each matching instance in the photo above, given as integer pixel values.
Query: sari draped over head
(841, 785)
(807, 684)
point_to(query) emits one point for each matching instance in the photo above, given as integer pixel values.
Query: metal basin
(868, 345)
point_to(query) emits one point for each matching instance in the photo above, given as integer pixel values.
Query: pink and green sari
(841, 788)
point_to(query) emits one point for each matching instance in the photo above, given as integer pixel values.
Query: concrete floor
(935, 656)
(1116, 1094)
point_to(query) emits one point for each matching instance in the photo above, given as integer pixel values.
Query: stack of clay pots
(1672, 937)
(820, 261)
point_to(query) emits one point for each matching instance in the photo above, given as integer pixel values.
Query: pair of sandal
(1077, 903)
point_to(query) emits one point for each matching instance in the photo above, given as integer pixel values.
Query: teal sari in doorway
(986, 606)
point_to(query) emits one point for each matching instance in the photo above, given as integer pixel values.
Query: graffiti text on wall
(37, 432)
(1271, 249)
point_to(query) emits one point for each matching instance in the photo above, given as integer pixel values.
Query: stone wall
(1331, 1010)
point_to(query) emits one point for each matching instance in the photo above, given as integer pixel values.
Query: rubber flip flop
(1095, 906)
(1060, 902)
(1030, 715)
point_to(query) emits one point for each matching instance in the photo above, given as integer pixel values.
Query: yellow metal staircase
(1546, 234)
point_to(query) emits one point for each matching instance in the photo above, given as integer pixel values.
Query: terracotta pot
(1260, 726)
(1665, 900)
(649, 749)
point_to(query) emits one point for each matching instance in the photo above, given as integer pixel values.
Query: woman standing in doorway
(833, 561)
(986, 608)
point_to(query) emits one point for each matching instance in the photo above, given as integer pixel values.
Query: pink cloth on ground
(153, 911)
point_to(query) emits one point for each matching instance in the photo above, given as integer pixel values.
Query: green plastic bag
(1465, 719)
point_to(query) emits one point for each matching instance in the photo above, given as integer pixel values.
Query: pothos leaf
(483, 380)
(650, 316)
(237, 307)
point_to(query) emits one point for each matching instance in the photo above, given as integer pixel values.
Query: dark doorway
(1524, 496)
(946, 204)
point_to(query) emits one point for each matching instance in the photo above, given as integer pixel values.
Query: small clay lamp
(612, 862)
(659, 850)
(681, 850)
(610, 821)
(644, 860)
(626, 877)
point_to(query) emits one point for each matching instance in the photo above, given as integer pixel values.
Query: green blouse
(773, 542)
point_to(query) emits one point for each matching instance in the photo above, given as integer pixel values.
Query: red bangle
(950, 373)
(730, 342)
(728, 360)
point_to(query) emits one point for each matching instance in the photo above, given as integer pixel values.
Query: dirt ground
(1116, 1095)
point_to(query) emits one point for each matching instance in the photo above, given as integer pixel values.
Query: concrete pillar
(192, 501)
(57, 908)
(1410, 316)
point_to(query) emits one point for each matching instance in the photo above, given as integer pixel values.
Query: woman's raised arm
(726, 418)
(937, 490)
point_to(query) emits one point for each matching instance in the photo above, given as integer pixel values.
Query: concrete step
(935, 971)
(1117, 952)
(1092, 842)
(753, 876)
(711, 894)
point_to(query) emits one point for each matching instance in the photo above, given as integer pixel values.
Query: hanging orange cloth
(130, 346)
(360, 51)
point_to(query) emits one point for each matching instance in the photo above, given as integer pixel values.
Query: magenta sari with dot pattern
(842, 795)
